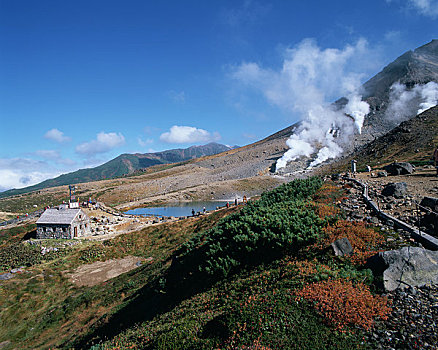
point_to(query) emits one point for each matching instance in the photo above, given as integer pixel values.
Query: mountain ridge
(125, 164)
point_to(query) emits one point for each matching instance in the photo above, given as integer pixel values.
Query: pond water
(177, 209)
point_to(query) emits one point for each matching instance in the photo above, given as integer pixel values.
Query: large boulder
(430, 202)
(399, 168)
(406, 267)
(396, 190)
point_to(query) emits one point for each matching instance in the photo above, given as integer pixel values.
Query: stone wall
(82, 224)
(45, 231)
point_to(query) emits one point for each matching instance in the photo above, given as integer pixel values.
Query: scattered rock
(397, 190)
(430, 202)
(342, 247)
(5, 343)
(373, 220)
(6, 276)
(17, 270)
(399, 168)
(412, 323)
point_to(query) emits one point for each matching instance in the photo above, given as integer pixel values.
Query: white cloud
(56, 135)
(188, 134)
(104, 142)
(177, 96)
(310, 79)
(144, 143)
(54, 156)
(308, 75)
(427, 8)
(23, 172)
(48, 154)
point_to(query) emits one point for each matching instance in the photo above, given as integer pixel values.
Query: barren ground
(101, 271)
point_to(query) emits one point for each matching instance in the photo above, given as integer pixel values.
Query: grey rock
(382, 173)
(397, 190)
(16, 270)
(6, 276)
(430, 202)
(374, 220)
(400, 168)
(342, 247)
(407, 267)
(390, 223)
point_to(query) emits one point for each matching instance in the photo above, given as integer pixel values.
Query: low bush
(19, 254)
(280, 223)
(364, 240)
(343, 303)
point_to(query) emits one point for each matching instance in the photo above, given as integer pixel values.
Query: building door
(75, 231)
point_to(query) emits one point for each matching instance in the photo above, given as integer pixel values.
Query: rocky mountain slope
(413, 67)
(413, 140)
(250, 169)
(396, 94)
(125, 164)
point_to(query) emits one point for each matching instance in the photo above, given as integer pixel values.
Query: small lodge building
(63, 222)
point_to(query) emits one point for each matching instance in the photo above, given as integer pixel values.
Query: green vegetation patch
(257, 279)
(281, 222)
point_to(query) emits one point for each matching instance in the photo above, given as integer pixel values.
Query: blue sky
(84, 81)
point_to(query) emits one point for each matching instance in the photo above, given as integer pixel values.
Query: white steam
(429, 94)
(404, 102)
(310, 78)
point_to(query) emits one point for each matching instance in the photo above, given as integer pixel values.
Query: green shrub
(281, 222)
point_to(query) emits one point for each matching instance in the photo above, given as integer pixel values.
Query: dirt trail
(101, 271)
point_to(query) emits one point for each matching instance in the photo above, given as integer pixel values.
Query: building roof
(58, 216)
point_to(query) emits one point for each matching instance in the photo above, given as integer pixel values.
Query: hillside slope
(413, 67)
(124, 164)
(413, 140)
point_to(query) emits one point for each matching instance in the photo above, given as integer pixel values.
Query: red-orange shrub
(343, 303)
(328, 193)
(305, 268)
(365, 241)
(326, 210)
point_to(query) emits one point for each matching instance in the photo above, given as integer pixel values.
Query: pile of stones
(413, 323)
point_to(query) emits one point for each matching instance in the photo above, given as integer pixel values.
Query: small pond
(177, 209)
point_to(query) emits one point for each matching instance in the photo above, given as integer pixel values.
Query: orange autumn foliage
(304, 268)
(365, 241)
(326, 210)
(328, 193)
(343, 303)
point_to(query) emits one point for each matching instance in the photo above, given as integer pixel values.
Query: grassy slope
(41, 308)
(153, 307)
